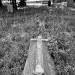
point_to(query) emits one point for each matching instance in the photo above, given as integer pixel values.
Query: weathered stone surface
(33, 61)
(30, 63)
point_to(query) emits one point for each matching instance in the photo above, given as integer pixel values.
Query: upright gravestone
(39, 61)
(10, 8)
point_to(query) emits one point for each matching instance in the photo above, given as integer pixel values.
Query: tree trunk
(49, 3)
(1, 5)
(14, 5)
(22, 3)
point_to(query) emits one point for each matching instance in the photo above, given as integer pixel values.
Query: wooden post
(38, 61)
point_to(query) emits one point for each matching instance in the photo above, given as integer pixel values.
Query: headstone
(10, 8)
(39, 61)
(64, 4)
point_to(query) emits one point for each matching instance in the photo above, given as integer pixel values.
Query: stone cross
(39, 55)
(38, 61)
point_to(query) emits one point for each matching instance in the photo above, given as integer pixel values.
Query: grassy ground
(17, 29)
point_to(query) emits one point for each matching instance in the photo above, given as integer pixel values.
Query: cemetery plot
(38, 61)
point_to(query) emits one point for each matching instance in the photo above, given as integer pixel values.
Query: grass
(17, 29)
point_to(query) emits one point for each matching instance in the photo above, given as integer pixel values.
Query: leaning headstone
(10, 8)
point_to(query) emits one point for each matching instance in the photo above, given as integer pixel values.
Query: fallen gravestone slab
(39, 61)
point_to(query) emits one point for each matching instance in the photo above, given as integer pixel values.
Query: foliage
(14, 41)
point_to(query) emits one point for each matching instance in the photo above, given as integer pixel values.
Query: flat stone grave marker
(38, 61)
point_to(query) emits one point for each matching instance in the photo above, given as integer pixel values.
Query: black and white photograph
(37, 37)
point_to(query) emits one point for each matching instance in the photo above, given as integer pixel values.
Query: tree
(22, 3)
(14, 5)
(1, 5)
(49, 3)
